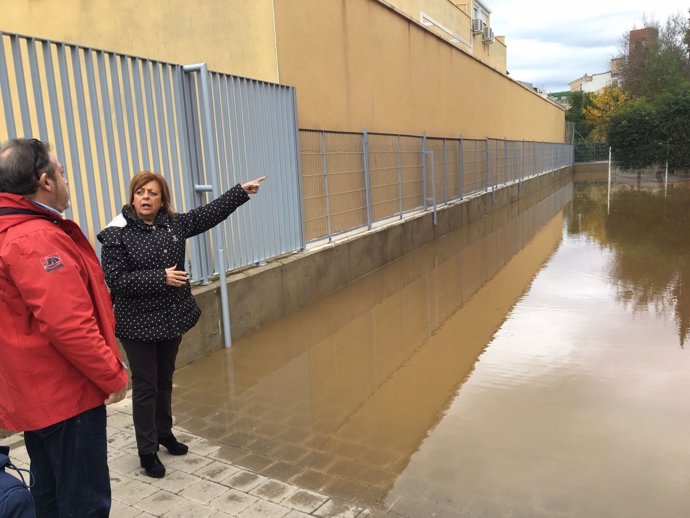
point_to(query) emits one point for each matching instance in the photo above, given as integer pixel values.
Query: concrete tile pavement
(201, 484)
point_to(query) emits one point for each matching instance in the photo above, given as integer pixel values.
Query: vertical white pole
(666, 180)
(608, 196)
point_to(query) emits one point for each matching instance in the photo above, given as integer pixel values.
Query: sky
(551, 43)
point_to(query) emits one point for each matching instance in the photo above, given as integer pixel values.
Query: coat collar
(162, 219)
(18, 208)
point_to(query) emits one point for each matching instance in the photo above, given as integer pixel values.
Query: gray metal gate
(109, 116)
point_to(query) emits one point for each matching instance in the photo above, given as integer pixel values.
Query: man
(59, 361)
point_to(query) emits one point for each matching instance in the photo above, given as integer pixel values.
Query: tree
(655, 126)
(634, 135)
(652, 132)
(673, 114)
(686, 37)
(579, 102)
(603, 107)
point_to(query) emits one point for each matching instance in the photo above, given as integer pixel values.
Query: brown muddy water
(530, 365)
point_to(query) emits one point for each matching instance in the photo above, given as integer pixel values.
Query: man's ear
(45, 182)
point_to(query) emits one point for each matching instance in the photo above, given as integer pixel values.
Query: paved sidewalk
(201, 484)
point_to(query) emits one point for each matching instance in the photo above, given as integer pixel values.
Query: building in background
(597, 82)
(591, 83)
(638, 39)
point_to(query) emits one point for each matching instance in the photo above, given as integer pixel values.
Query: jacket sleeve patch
(52, 263)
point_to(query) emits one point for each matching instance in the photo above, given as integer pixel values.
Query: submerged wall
(263, 294)
(590, 171)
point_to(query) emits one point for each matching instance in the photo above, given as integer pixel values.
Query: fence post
(298, 166)
(433, 188)
(608, 194)
(445, 173)
(461, 156)
(424, 182)
(324, 169)
(666, 178)
(512, 145)
(486, 168)
(505, 160)
(400, 188)
(367, 179)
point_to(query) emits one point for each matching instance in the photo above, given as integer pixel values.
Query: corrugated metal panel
(109, 116)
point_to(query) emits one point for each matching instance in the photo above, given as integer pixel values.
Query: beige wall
(457, 18)
(358, 63)
(355, 63)
(446, 12)
(493, 54)
(232, 36)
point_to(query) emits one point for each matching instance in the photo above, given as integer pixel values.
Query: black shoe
(152, 464)
(174, 446)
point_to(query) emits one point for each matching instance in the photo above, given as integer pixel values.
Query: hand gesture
(175, 278)
(252, 187)
(116, 396)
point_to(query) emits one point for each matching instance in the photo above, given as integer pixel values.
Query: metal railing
(591, 152)
(353, 180)
(109, 116)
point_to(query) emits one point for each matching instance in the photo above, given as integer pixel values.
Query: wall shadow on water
(648, 232)
(338, 396)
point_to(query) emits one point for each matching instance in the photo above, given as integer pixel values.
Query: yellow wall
(355, 63)
(444, 11)
(232, 36)
(358, 63)
(457, 19)
(493, 54)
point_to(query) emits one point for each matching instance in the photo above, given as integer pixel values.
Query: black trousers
(152, 365)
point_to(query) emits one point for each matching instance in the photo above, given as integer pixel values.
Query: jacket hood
(16, 209)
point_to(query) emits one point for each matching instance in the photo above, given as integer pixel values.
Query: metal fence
(352, 180)
(591, 152)
(109, 116)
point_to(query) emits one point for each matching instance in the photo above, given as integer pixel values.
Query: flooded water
(531, 364)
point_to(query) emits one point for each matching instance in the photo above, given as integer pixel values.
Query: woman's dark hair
(22, 162)
(144, 177)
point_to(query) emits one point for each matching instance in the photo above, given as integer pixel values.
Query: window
(480, 12)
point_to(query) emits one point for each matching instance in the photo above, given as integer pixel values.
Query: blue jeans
(69, 461)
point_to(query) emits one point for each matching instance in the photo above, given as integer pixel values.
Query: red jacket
(58, 353)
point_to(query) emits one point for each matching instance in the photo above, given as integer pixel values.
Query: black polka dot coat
(134, 257)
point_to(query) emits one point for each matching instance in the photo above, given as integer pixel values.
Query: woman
(143, 257)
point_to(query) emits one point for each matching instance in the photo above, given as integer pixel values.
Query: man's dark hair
(22, 161)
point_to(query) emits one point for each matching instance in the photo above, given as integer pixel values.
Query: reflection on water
(576, 407)
(525, 366)
(648, 232)
(338, 396)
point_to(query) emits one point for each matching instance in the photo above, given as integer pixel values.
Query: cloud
(553, 43)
